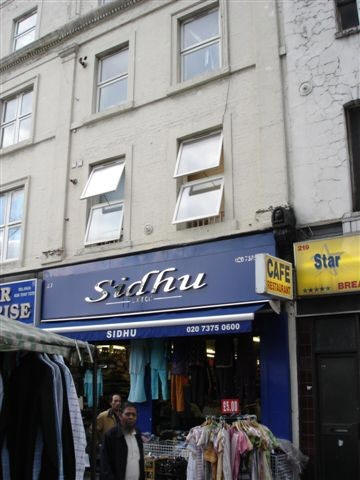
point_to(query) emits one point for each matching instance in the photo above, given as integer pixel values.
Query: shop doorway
(338, 388)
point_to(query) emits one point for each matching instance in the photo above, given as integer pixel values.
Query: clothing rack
(222, 418)
(249, 456)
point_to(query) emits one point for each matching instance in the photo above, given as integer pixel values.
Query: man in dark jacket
(122, 453)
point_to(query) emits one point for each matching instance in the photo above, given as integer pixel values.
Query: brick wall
(306, 394)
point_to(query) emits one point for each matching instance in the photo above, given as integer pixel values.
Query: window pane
(24, 129)
(26, 24)
(201, 200)
(13, 243)
(114, 65)
(1, 242)
(201, 61)
(348, 15)
(353, 125)
(200, 29)
(199, 155)
(103, 180)
(7, 136)
(116, 195)
(10, 108)
(113, 94)
(17, 206)
(25, 39)
(2, 209)
(105, 224)
(26, 104)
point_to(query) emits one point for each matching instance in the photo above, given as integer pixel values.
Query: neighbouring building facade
(322, 83)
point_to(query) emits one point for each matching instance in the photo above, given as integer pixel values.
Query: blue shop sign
(206, 321)
(220, 273)
(20, 300)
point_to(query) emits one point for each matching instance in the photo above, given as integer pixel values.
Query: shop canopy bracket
(276, 306)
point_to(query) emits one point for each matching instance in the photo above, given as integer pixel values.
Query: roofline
(61, 35)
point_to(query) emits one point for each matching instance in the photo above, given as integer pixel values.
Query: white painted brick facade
(245, 99)
(330, 68)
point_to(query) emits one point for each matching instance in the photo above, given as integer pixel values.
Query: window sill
(16, 146)
(198, 81)
(347, 32)
(109, 113)
(96, 248)
(200, 230)
(9, 266)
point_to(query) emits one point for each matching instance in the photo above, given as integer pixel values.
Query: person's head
(115, 402)
(128, 416)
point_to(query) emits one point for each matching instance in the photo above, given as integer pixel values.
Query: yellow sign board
(328, 266)
(273, 276)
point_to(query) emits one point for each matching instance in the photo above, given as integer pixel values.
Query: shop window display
(188, 378)
(185, 379)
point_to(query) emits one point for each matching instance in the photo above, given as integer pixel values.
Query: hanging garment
(224, 352)
(179, 361)
(88, 386)
(66, 430)
(99, 384)
(195, 467)
(4, 461)
(224, 359)
(224, 382)
(158, 364)
(239, 445)
(59, 398)
(177, 392)
(1, 391)
(227, 475)
(198, 385)
(196, 352)
(139, 358)
(245, 369)
(78, 431)
(197, 371)
(32, 380)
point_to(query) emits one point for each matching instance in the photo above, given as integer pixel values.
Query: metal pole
(93, 423)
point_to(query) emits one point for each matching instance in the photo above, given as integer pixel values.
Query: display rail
(281, 467)
(167, 448)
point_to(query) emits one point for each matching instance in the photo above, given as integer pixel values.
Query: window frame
(94, 204)
(101, 84)
(339, 17)
(355, 186)
(193, 183)
(30, 84)
(200, 45)
(100, 167)
(7, 225)
(88, 225)
(18, 117)
(182, 15)
(194, 140)
(17, 21)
